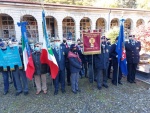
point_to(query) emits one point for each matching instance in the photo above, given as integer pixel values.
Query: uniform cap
(72, 46)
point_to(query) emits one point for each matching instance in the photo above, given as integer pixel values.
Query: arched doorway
(139, 22)
(68, 26)
(85, 25)
(100, 24)
(32, 28)
(51, 24)
(7, 28)
(114, 22)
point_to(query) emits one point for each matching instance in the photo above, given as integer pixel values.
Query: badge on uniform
(107, 50)
(63, 53)
(137, 47)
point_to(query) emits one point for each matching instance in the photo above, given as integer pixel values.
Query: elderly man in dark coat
(101, 62)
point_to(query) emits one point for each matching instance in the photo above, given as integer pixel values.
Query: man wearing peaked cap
(133, 48)
(59, 53)
(114, 56)
(66, 46)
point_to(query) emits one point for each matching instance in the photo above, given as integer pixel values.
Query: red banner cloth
(91, 43)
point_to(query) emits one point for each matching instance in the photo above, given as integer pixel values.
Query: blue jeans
(6, 80)
(74, 81)
(60, 79)
(20, 75)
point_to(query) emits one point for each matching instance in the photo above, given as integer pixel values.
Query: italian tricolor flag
(28, 61)
(47, 55)
(27, 56)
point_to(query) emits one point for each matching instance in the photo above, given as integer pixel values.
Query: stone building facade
(64, 20)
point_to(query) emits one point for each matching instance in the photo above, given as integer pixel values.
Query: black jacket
(39, 68)
(132, 52)
(101, 60)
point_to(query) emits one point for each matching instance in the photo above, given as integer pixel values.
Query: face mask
(15, 45)
(57, 44)
(104, 42)
(64, 41)
(69, 43)
(108, 43)
(37, 49)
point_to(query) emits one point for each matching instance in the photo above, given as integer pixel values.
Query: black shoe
(120, 83)
(105, 85)
(18, 93)
(55, 92)
(78, 90)
(63, 91)
(134, 82)
(69, 84)
(114, 84)
(99, 88)
(91, 81)
(5, 92)
(109, 77)
(95, 80)
(129, 81)
(11, 82)
(26, 93)
(74, 92)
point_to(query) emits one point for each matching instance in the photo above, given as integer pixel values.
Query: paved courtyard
(126, 98)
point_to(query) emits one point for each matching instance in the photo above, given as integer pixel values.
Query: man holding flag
(118, 54)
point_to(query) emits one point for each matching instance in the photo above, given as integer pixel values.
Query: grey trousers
(74, 81)
(101, 77)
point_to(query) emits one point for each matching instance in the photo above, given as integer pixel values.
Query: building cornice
(52, 6)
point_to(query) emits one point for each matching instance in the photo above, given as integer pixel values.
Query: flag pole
(92, 72)
(117, 73)
(42, 5)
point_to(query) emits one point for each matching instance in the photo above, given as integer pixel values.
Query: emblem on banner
(92, 41)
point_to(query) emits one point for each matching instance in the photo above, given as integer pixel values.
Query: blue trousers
(6, 80)
(74, 81)
(21, 80)
(60, 79)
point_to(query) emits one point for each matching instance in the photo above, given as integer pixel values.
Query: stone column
(60, 32)
(40, 29)
(77, 28)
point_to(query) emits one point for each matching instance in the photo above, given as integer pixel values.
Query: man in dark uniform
(110, 59)
(101, 62)
(59, 53)
(116, 76)
(66, 46)
(133, 48)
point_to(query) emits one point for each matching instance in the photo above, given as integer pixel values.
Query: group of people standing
(74, 65)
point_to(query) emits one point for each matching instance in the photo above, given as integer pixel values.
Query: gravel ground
(126, 98)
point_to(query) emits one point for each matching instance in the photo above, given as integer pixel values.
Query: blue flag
(120, 49)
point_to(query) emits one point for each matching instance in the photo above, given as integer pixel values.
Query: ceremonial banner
(91, 43)
(9, 58)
